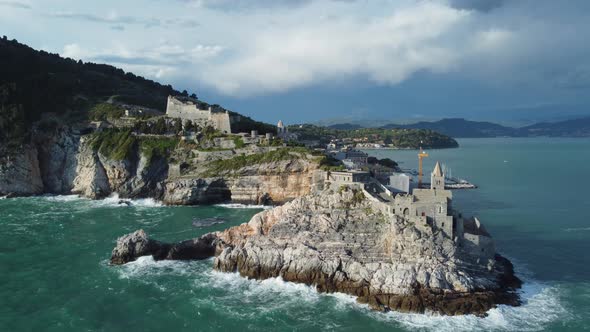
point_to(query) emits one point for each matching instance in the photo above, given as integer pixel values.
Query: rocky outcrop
(138, 244)
(336, 242)
(275, 182)
(196, 191)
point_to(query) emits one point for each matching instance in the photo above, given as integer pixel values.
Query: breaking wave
(115, 201)
(542, 303)
(63, 198)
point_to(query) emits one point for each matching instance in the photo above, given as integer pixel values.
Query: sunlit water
(54, 251)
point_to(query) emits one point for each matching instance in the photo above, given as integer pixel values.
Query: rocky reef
(338, 243)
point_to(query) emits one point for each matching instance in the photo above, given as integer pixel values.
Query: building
(428, 209)
(400, 183)
(339, 178)
(284, 134)
(200, 113)
(353, 157)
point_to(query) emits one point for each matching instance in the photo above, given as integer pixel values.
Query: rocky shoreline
(337, 243)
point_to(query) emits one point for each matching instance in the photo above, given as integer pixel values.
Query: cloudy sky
(336, 60)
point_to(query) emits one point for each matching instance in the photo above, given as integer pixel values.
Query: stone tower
(437, 178)
(280, 128)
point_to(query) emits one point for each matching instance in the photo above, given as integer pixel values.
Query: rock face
(336, 242)
(137, 244)
(20, 175)
(63, 162)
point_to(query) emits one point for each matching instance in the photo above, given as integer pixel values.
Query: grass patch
(152, 147)
(114, 144)
(218, 167)
(239, 142)
(105, 111)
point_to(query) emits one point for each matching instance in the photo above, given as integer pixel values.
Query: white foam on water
(3, 197)
(64, 198)
(267, 288)
(115, 201)
(541, 307)
(147, 266)
(244, 206)
(542, 303)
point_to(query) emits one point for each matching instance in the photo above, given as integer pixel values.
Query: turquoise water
(54, 252)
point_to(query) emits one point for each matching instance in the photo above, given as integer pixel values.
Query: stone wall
(221, 121)
(188, 111)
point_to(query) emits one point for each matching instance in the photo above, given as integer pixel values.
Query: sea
(533, 197)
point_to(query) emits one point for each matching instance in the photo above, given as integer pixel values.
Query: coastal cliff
(338, 243)
(65, 162)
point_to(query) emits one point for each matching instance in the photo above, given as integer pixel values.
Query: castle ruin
(199, 113)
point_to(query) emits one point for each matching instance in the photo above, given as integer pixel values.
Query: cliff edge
(337, 241)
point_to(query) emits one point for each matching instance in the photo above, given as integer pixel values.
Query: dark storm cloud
(479, 5)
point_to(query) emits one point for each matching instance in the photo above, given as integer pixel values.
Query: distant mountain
(345, 126)
(461, 128)
(569, 128)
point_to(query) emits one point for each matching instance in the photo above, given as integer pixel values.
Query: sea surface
(54, 251)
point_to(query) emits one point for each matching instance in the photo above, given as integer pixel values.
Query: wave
(115, 201)
(64, 198)
(248, 299)
(244, 206)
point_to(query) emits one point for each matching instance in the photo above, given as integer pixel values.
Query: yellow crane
(421, 156)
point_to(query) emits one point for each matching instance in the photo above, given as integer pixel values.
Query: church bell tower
(437, 178)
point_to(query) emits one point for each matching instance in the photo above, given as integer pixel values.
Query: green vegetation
(157, 147)
(119, 144)
(239, 142)
(329, 163)
(399, 138)
(219, 167)
(34, 83)
(105, 111)
(114, 144)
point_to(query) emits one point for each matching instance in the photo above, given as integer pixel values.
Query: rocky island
(409, 252)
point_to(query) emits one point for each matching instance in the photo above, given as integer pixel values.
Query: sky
(335, 61)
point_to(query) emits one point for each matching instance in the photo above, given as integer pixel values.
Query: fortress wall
(221, 121)
(177, 109)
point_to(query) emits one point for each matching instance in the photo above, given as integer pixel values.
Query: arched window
(406, 211)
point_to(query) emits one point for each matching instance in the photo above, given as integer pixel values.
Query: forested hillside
(33, 83)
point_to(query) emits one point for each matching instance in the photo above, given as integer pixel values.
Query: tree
(194, 96)
(177, 126)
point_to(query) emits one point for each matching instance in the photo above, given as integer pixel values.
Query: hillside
(35, 83)
(461, 128)
(396, 138)
(568, 128)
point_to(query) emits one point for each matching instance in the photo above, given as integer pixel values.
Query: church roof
(280, 124)
(437, 170)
